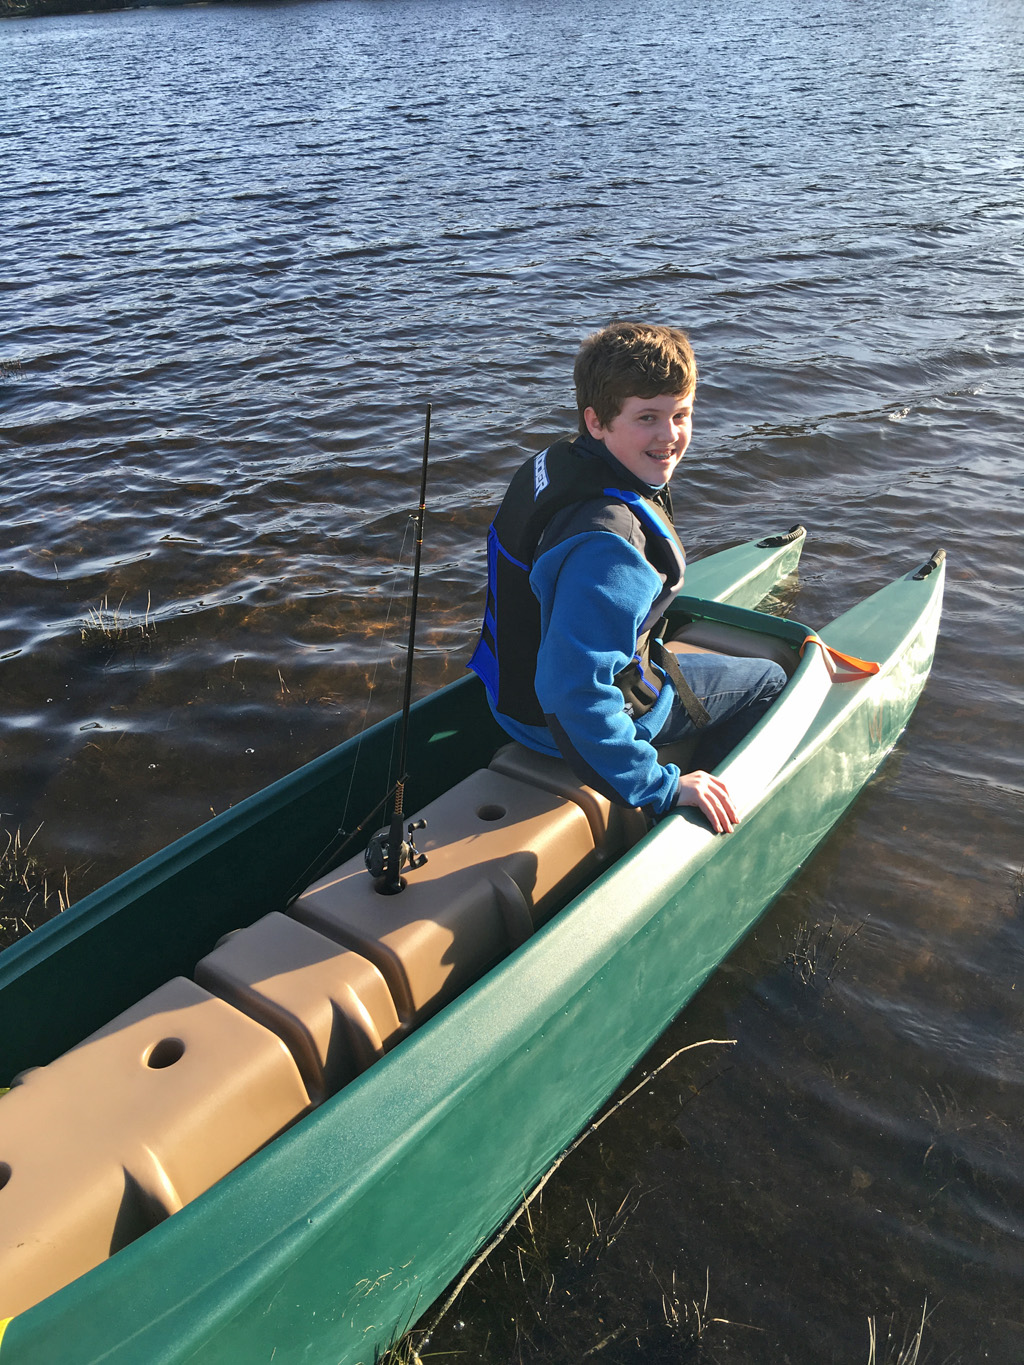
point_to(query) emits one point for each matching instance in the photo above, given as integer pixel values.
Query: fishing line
(333, 852)
(410, 524)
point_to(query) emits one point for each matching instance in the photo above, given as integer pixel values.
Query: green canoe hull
(337, 1236)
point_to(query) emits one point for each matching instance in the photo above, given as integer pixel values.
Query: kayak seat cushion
(614, 828)
(501, 857)
(716, 637)
(117, 1134)
(331, 1007)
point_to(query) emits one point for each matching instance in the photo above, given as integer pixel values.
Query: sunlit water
(243, 246)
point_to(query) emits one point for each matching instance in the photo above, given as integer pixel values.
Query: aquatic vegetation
(904, 1352)
(814, 957)
(109, 630)
(29, 893)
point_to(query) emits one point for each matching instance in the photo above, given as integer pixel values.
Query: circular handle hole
(5, 1174)
(165, 1053)
(491, 812)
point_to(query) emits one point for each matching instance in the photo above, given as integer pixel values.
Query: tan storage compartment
(501, 856)
(615, 828)
(332, 1007)
(128, 1126)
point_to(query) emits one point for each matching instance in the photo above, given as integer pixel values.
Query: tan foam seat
(716, 637)
(128, 1126)
(501, 856)
(332, 1007)
(615, 828)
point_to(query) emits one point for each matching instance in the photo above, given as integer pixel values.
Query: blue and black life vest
(563, 476)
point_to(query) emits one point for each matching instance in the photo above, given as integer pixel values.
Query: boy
(583, 561)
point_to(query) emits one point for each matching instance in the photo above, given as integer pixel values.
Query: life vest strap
(842, 667)
(692, 704)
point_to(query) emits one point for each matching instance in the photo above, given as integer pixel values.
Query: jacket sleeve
(595, 591)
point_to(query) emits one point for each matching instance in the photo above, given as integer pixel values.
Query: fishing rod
(388, 850)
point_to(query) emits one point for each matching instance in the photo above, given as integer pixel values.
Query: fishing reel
(378, 851)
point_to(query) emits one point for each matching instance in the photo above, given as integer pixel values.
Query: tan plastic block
(615, 828)
(332, 1007)
(128, 1126)
(717, 637)
(501, 856)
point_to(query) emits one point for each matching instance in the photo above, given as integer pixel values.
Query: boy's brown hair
(631, 360)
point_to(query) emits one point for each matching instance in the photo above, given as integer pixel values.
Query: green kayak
(334, 1237)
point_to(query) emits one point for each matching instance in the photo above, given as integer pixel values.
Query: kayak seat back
(117, 1134)
(614, 828)
(331, 1007)
(501, 857)
(718, 637)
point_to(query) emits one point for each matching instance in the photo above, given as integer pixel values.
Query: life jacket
(558, 478)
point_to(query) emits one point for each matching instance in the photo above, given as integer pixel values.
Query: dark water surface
(241, 248)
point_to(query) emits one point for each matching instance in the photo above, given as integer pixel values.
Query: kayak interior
(125, 1128)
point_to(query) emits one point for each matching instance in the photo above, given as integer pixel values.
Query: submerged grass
(110, 630)
(30, 894)
(814, 957)
(905, 1351)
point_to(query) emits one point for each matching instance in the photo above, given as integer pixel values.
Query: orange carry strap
(843, 667)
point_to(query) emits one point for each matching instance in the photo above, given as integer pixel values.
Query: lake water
(244, 245)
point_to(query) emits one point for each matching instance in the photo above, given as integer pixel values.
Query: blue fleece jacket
(595, 591)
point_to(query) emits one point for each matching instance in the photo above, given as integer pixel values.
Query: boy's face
(649, 436)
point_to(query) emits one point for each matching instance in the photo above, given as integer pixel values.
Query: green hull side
(340, 1234)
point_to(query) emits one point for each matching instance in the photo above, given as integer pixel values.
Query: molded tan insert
(331, 1006)
(615, 828)
(716, 637)
(127, 1127)
(501, 856)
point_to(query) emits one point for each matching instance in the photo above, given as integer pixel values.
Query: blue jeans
(736, 692)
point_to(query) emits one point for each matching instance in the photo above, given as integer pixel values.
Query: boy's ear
(593, 425)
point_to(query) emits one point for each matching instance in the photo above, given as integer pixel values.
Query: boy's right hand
(711, 797)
